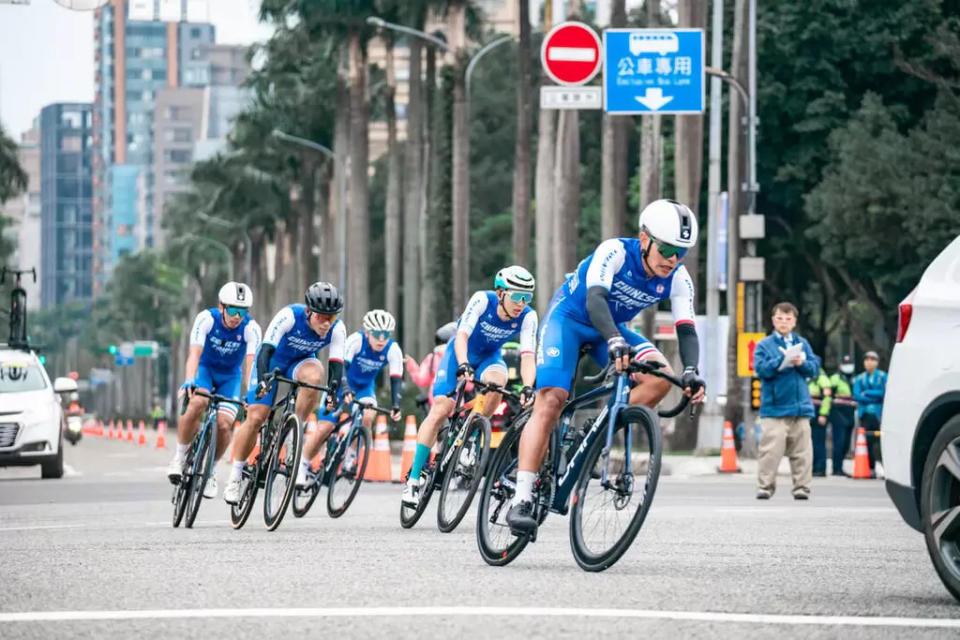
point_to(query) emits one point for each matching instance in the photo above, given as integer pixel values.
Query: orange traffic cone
(162, 434)
(409, 446)
(129, 430)
(110, 430)
(379, 468)
(100, 428)
(728, 451)
(861, 459)
(141, 436)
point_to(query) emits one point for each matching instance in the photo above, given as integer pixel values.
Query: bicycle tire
(202, 468)
(649, 425)
(287, 466)
(180, 492)
(408, 516)
(304, 497)
(476, 424)
(362, 457)
(240, 512)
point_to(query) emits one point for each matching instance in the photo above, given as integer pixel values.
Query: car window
(18, 374)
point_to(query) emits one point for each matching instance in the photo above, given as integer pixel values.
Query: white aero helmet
(671, 222)
(515, 278)
(236, 294)
(378, 320)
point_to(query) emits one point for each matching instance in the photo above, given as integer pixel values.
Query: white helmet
(671, 222)
(515, 278)
(378, 320)
(236, 294)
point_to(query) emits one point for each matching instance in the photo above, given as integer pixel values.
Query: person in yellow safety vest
(842, 413)
(821, 393)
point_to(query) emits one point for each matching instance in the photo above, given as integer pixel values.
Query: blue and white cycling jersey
(223, 348)
(364, 364)
(617, 266)
(486, 334)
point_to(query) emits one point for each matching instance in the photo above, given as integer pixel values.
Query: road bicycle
(604, 472)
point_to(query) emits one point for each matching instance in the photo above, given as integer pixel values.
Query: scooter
(74, 429)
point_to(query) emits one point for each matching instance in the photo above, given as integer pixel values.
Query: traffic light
(112, 349)
(43, 360)
(755, 393)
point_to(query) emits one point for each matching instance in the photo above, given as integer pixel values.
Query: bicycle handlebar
(648, 367)
(216, 397)
(275, 376)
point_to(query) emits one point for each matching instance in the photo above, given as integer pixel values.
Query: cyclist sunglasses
(324, 317)
(669, 250)
(380, 335)
(236, 311)
(521, 296)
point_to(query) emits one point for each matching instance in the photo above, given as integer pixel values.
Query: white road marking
(41, 527)
(571, 54)
(474, 612)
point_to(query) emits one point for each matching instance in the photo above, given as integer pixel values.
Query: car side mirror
(64, 385)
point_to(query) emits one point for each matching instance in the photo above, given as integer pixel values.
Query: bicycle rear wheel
(347, 472)
(250, 481)
(181, 492)
(202, 468)
(284, 459)
(605, 519)
(498, 545)
(409, 515)
(304, 497)
(463, 476)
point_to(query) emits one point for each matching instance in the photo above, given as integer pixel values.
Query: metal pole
(479, 54)
(383, 24)
(709, 432)
(342, 219)
(754, 289)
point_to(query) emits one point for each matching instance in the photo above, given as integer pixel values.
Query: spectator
(842, 413)
(868, 390)
(821, 394)
(423, 373)
(783, 361)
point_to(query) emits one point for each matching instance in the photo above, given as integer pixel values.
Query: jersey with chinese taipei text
(617, 266)
(487, 332)
(364, 364)
(291, 336)
(223, 348)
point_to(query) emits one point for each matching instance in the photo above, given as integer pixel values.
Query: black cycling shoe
(521, 520)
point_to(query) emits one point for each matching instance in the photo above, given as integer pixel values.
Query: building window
(195, 33)
(196, 53)
(71, 119)
(71, 143)
(180, 134)
(159, 74)
(177, 113)
(176, 156)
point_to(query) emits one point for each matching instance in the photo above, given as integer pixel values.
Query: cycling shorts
(224, 383)
(290, 372)
(446, 378)
(561, 338)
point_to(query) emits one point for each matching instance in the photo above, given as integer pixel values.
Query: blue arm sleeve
(767, 359)
(396, 390)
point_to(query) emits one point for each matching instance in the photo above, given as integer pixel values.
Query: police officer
(842, 412)
(821, 393)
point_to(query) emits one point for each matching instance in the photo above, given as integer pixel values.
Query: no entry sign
(571, 53)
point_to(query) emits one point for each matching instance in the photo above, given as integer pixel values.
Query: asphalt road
(93, 555)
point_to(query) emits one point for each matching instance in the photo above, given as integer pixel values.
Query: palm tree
(13, 179)
(614, 159)
(457, 29)
(521, 162)
(543, 189)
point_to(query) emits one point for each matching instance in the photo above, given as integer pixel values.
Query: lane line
(473, 612)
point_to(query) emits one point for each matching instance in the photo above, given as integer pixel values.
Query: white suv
(31, 417)
(921, 414)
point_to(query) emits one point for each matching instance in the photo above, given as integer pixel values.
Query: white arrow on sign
(653, 99)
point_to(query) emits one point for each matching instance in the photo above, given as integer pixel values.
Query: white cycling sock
(236, 473)
(525, 480)
(182, 450)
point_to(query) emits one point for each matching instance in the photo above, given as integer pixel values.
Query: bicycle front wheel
(282, 470)
(347, 472)
(201, 470)
(409, 515)
(181, 492)
(250, 483)
(463, 476)
(607, 516)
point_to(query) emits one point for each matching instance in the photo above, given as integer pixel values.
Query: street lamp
(383, 24)
(341, 192)
(247, 258)
(493, 44)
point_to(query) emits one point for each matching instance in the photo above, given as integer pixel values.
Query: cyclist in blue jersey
(365, 354)
(490, 319)
(619, 279)
(222, 343)
(291, 344)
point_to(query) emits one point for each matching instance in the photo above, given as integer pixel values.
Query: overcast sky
(46, 53)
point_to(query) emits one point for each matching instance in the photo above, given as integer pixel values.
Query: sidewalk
(708, 465)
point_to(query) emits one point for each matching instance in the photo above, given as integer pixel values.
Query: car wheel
(940, 504)
(53, 468)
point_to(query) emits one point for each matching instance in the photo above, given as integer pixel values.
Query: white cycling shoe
(303, 480)
(210, 489)
(175, 469)
(231, 494)
(411, 494)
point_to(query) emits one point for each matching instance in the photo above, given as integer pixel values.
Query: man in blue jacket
(783, 361)
(868, 390)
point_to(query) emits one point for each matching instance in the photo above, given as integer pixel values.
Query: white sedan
(31, 417)
(921, 414)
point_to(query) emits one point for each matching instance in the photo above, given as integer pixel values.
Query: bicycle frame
(335, 449)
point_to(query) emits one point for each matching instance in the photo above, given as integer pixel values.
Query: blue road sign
(122, 361)
(653, 71)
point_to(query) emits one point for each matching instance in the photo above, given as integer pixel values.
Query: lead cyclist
(611, 286)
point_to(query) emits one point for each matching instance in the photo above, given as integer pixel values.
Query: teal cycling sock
(419, 458)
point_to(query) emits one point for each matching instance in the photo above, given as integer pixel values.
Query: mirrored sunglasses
(380, 335)
(327, 317)
(236, 311)
(669, 250)
(520, 296)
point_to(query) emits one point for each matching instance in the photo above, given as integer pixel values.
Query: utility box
(751, 269)
(753, 227)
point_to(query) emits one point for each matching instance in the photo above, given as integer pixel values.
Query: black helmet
(444, 333)
(323, 297)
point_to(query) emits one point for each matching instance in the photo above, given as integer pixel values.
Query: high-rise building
(66, 216)
(24, 211)
(141, 47)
